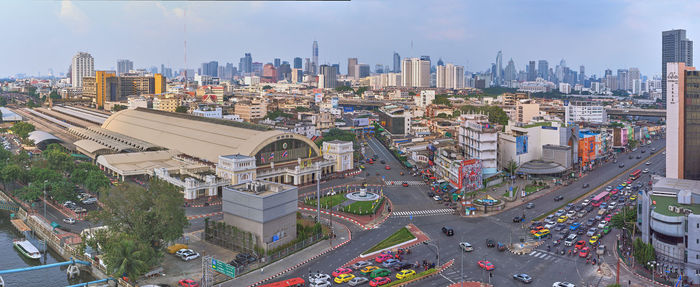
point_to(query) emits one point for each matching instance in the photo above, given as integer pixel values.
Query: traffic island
(417, 237)
(423, 275)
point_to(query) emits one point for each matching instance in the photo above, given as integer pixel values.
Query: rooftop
(538, 124)
(663, 202)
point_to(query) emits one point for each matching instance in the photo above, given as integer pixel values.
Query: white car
(550, 224)
(320, 284)
(571, 213)
(586, 202)
(183, 251)
(436, 198)
(569, 241)
(69, 220)
(612, 205)
(189, 256)
(648, 163)
(602, 224)
(466, 246)
(360, 264)
(646, 170)
(563, 284)
(89, 200)
(319, 278)
(609, 188)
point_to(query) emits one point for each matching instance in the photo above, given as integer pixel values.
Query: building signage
(223, 268)
(672, 83)
(520, 145)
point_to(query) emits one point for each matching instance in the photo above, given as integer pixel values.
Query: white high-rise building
(83, 65)
(124, 66)
(450, 76)
(415, 73)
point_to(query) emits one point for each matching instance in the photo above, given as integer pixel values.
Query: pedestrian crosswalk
(430, 212)
(400, 182)
(543, 255)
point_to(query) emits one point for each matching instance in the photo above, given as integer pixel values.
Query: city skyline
(462, 35)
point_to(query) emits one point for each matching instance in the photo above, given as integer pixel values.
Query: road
(545, 267)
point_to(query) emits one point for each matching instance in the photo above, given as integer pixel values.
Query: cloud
(73, 17)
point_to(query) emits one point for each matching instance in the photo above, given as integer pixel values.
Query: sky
(42, 35)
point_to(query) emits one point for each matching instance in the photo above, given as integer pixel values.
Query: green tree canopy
(58, 159)
(266, 87)
(116, 108)
(276, 114)
(495, 113)
(22, 129)
(442, 100)
(125, 255)
(344, 89)
(181, 109)
(54, 95)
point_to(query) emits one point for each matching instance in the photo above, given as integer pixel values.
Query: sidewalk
(269, 272)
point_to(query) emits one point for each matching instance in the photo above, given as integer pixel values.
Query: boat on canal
(27, 249)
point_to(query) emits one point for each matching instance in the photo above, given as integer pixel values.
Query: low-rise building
(479, 139)
(582, 111)
(340, 152)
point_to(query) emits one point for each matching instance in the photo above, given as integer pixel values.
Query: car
(187, 283)
(591, 231)
(600, 250)
(579, 207)
(590, 222)
(319, 278)
(606, 229)
(183, 251)
(529, 205)
(437, 198)
(542, 233)
(360, 264)
(622, 164)
(563, 284)
(560, 227)
(584, 252)
(466, 246)
(342, 278)
(320, 284)
(603, 210)
(589, 208)
(390, 262)
(608, 188)
(569, 241)
(602, 224)
(69, 220)
(404, 184)
(614, 197)
(586, 185)
(448, 230)
(358, 281)
(581, 213)
(536, 229)
(633, 197)
(342, 270)
(558, 198)
(639, 156)
(379, 281)
(68, 203)
(646, 170)
(245, 257)
(569, 206)
(383, 257)
(550, 217)
(522, 277)
(368, 269)
(382, 161)
(90, 200)
(571, 213)
(593, 240)
(574, 226)
(643, 151)
(580, 244)
(381, 272)
(559, 212)
(189, 256)
(402, 266)
(621, 200)
(405, 274)
(79, 209)
(562, 218)
(518, 219)
(486, 265)
(387, 167)
(490, 243)
(550, 224)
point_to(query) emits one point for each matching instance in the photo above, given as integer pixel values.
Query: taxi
(343, 278)
(594, 240)
(368, 269)
(405, 273)
(562, 218)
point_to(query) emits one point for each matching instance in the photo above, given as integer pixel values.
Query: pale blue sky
(38, 35)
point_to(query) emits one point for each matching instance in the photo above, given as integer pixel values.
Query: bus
(291, 282)
(635, 174)
(600, 198)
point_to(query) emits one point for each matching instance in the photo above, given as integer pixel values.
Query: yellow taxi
(342, 278)
(542, 233)
(369, 269)
(562, 218)
(633, 198)
(593, 240)
(405, 274)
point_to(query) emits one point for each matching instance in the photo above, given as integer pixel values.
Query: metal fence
(625, 251)
(277, 255)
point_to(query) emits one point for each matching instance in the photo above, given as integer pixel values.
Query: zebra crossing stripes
(409, 182)
(539, 254)
(430, 212)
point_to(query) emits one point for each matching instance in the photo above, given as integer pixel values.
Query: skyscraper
(124, 66)
(308, 69)
(499, 68)
(623, 79)
(581, 74)
(543, 69)
(210, 69)
(245, 66)
(360, 71)
(327, 77)
(415, 72)
(297, 63)
(440, 62)
(397, 63)
(83, 65)
(277, 62)
(531, 74)
(510, 73)
(635, 80)
(675, 47)
(449, 76)
(314, 57)
(682, 121)
(352, 62)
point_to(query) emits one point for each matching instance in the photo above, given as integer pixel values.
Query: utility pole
(461, 272)
(45, 181)
(318, 195)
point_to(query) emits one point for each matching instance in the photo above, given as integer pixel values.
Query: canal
(12, 259)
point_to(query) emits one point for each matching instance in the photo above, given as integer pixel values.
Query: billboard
(334, 102)
(360, 122)
(348, 109)
(318, 97)
(520, 145)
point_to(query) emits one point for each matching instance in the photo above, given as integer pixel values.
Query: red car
(383, 257)
(405, 184)
(629, 182)
(580, 244)
(387, 167)
(614, 191)
(379, 281)
(583, 252)
(341, 271)
(487, 265)
(607, 218)
(188, 283)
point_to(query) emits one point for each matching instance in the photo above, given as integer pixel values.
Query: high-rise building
(124, 66)
(440, 62)
(308, 69)
(269, 74)
(83, 65)
(361, 71)
(450, 77)
(397, 63)
(581, 74)
(499, 69)
(328, 77)
(314, 58)
(675, 48)
(351, 67)
(277, 62)
(623, 79)
(510, 73)
(245, 66)
(210, 69)
(415, 73)
(531, 74)
(297, 63)
(379, 68)
(284, 72)
(635, 80)
(682, 121)
(297, 75)
(543, 69)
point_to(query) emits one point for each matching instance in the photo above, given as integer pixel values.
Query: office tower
(124, 66)
(425, 58)
(440, 62)
(675, 47)
(284, 72)
(314, 58)
(543, 69)
(531, 74)
(83, 65)
(623, 79)
(269, 74)
(337, 68)
(682, 121)
(277, 62)
(449, 76)
(256, 68)
(510, 73)
(635, 80)
(415, 72)
(328, 77)
(297, 75)
(397, 63)
(379, 68)
(210, 69)
(307, 66)
(499, 68)
(297, 63)
(245, 66)
(351, 67)
(361, 71)
(581, 74)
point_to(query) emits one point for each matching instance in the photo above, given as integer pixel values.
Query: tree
(495, 113)
(22, 129)
(116, 108)
(442, 100)
(442, 115)
(11, 173)
(625, 219)
(181, 109)
(344, 89)
(54, 95)
(361, 90)
(58, 160)
(96, 181)
(510, 167)
(643, 252)
(128, 256)
(267, 87)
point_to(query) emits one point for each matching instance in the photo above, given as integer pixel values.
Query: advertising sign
(334, 102)
(318, 97)
(360, 122)
(520, 145)
(348, 109)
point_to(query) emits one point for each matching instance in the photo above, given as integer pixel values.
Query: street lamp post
(437, 249)
(652, 264)
(45, 181)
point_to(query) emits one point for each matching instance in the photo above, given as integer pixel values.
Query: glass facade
(691, 168)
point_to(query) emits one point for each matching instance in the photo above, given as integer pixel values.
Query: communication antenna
(184, 21)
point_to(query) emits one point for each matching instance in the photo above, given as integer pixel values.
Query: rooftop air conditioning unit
(672, 208)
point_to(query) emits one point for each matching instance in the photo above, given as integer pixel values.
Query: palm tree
(126, 258)
(511, 166)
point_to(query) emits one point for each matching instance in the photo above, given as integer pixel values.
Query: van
(381, 272)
